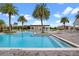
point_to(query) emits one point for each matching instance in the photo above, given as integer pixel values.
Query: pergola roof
(39, 25)
(76, 22)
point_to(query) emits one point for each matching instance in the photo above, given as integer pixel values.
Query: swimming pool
(29, 40)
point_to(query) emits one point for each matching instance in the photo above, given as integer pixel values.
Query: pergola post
(73, 27)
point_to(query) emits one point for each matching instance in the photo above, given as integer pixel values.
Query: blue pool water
(29, 40)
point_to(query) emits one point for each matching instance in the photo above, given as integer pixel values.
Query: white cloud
(0, 13)
(8, 15)
(5, 15)
(70, 23)
(67, 10)
(13, 16)
(52, 25)
(56, 24)
(58, 21)
(74, 11)
(28, 17)
(57, 15)
(39, 22)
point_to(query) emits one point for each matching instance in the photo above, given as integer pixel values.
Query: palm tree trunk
(22, 25)
(73, 27)
(42, 25)
(10, 23)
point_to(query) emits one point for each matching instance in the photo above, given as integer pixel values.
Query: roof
(76, 22)
(39, 25)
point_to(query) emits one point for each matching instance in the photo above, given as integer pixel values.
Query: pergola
(76, 23)
(38, 28)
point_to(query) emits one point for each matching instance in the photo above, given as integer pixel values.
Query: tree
(2, 23)
(22, 19)
(64, 20)
(41, 12)
(9, 9)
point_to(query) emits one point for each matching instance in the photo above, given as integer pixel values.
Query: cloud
(67, 10)
(57, 15)
(4, 14)
(13, 16)
(74, 11)
(70, 10)
(8, 15)
(70, 23)
(39, 22)
(56, 24)
(58, 21)
(0, 13)
(28, 17)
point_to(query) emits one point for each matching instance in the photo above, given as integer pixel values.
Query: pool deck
(39, 52)
(71, 37)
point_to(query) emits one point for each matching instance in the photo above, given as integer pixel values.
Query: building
(66, 27)
(38, 28)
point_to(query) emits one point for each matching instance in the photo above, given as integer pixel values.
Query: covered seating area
(76, 24)
(38, 28)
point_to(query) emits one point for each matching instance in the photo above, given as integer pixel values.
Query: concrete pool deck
(70, 36)
(39, 51)
(74, 38)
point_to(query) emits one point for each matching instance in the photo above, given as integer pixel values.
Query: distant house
(39, 27)
(66, 27)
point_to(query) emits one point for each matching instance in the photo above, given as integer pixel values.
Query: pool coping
(42, 49)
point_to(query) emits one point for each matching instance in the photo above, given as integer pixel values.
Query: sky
(57, 11)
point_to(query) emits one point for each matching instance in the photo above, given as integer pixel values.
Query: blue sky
(57, 10)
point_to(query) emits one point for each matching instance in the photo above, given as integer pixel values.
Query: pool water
(30, 40)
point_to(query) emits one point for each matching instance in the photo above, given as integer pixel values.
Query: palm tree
(22, 19)
(10, 10)
(41, 12)
(64, 20)
(2, 23)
